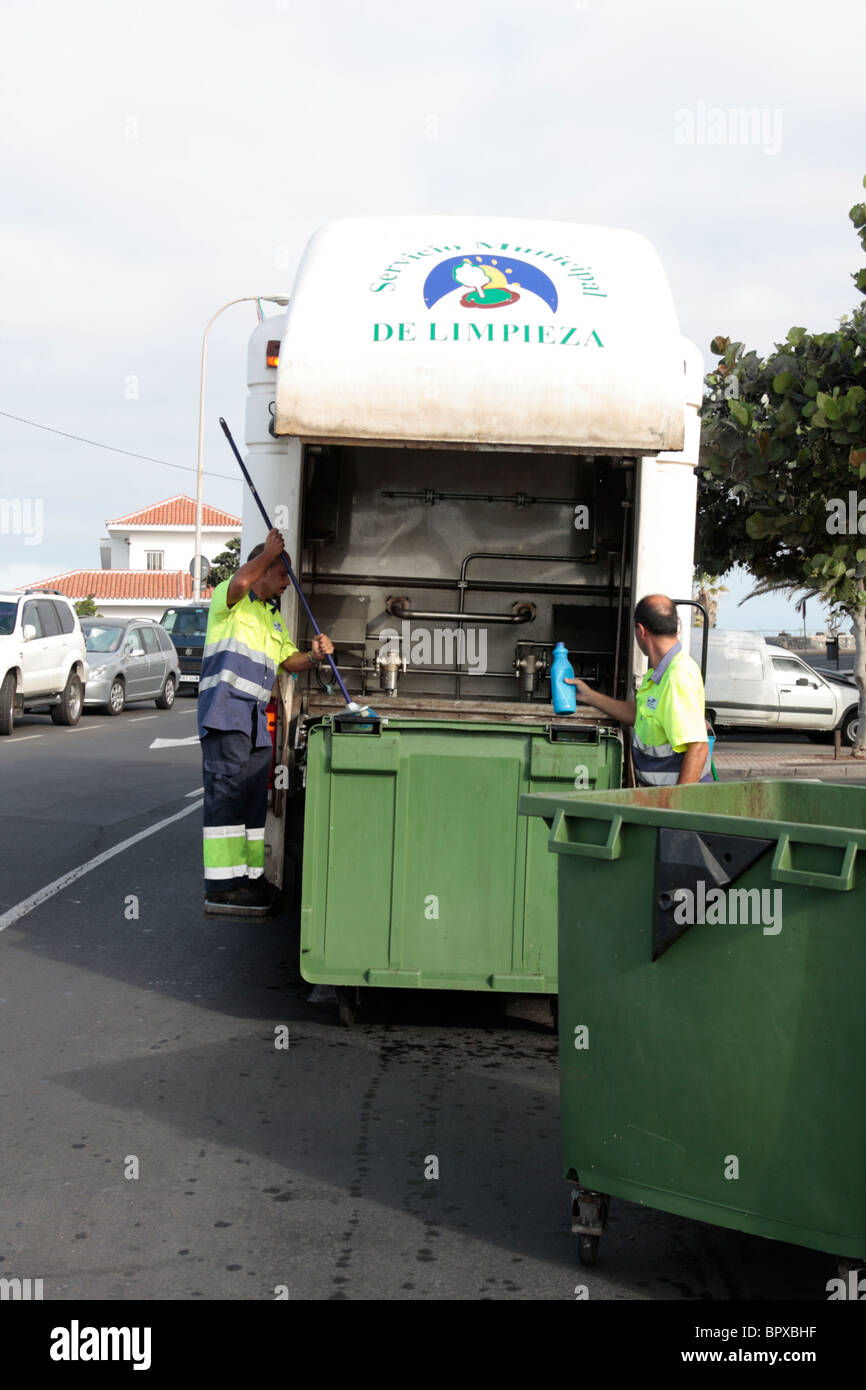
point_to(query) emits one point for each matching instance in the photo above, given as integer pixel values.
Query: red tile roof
(120, 584)
(177, 511)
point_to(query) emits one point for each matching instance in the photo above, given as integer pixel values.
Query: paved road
(139, 1038)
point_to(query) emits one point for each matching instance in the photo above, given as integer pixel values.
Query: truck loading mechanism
(596, 652)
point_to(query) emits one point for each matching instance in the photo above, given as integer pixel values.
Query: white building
(146, 559)
(162, 537)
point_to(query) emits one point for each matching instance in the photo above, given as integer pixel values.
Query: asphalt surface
(157, 1144)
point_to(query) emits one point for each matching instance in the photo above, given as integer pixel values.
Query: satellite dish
(205, 566)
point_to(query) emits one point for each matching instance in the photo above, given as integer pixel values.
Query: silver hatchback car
(129, 659)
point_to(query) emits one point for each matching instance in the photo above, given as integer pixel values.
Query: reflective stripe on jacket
(244, 647)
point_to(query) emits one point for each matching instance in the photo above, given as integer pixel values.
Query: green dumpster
(712, 979)
(417, 871)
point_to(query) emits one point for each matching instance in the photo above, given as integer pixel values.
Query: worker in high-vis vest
(246, 644)
(669, 743)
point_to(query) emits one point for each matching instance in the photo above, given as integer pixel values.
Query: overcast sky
(160, 159)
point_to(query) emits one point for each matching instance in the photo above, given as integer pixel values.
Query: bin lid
(465, 331)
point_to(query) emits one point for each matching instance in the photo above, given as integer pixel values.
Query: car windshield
(186, 622)
(102, 639)
(7, 617)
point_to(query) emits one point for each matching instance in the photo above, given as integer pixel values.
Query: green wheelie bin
(417, 872)
(712, 1028)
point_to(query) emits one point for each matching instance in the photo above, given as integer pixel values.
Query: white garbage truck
(479, 437)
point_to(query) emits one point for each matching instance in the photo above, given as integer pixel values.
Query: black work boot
(265, 892)
(241, 900)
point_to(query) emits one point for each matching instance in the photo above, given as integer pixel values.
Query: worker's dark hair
(658, 615)
(256, 550)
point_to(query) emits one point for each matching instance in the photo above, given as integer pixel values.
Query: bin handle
(352, 724)
(782, 872)
(570, 733)
(560, 844)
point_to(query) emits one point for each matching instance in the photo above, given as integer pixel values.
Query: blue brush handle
(284, 557)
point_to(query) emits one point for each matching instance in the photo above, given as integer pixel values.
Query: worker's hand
(584, 692)
(274, 546)
(322, 646)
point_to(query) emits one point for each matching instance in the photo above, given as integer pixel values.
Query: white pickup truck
(753, 684)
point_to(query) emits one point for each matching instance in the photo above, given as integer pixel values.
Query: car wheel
(7, 703)
(166, 699)
(850, 726)
(116, 697)
(71, 702)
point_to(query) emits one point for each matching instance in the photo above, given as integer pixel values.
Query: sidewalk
(739, 764)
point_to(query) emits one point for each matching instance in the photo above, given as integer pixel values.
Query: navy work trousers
(235, 807)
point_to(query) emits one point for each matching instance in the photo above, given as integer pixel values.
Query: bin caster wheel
(348, 1004)
(588, 1221)
(588, 1250)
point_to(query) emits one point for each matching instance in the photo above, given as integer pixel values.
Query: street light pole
(280, 299)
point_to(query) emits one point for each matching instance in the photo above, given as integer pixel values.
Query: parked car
(42, 656)
(186, 625)
(130, 659)
(753, 684)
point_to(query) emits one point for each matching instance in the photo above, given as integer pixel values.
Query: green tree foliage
(783, 463)
(86, 608)
(226, 563)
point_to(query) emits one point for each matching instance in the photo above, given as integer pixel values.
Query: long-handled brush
(351, 706)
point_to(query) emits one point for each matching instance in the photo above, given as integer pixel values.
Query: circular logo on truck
(485, 285)
(488, 282)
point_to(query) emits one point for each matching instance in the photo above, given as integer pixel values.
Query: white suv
(42, 656)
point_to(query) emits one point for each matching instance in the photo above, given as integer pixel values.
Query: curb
(855, 774)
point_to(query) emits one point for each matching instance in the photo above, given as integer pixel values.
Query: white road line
(198, 791)
(141, 718)
(26, 737)
(36, 899)
(174, 742)
(85, 728)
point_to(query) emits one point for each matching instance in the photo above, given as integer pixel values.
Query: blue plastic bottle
(564, 696)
